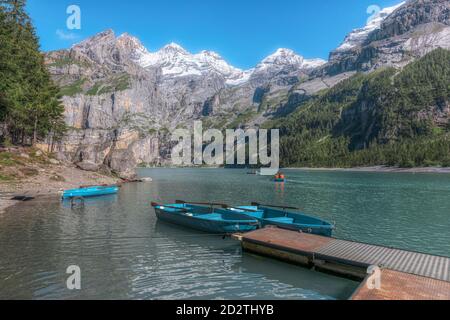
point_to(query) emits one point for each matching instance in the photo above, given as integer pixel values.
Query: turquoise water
(124, 253)
(410, 211)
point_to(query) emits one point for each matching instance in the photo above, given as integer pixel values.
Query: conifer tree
(29, 101)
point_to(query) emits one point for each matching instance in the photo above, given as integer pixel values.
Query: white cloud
(66, 36)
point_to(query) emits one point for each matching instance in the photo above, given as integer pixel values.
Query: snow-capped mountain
(283, 67)
(175, 62)
(358, 36)
(394, 37)
(286, 57)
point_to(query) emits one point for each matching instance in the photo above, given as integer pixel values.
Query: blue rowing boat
(271, 216)
(207, 219)
(94, 191)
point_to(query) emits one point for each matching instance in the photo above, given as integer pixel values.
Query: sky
(243, 32)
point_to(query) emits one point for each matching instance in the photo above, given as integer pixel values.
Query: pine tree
(28, 98)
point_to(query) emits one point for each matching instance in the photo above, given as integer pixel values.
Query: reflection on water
(124, 253)
(279, 192)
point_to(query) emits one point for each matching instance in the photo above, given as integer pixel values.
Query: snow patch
(287, 57)
(358, 36)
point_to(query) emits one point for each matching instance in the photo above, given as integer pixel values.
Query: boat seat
(281, 220)
(255, 213)
(210, 216)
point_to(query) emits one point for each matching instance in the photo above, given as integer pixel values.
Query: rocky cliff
(395, 37)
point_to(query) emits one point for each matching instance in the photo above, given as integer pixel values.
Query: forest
(389, 117)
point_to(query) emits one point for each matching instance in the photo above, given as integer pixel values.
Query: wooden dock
(404, 286)
(404, 274)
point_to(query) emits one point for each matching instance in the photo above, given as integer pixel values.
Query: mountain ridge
(176, 61)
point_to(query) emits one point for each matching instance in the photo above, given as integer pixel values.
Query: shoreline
(5, 204)
(379, 169)
(45, 184)
(42, 185)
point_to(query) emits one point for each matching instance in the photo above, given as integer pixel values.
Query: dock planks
(407, 275)
(404, 286)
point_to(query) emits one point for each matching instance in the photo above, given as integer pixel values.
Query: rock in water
(128, 175)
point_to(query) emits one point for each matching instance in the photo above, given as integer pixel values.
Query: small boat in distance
(280, 177)
(269, 215)
(91, 191)
(205, 218)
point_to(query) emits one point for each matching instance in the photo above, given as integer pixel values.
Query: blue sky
(243, 32)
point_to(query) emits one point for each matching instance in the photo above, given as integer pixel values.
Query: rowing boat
(204, 218)
(93, 191)
(283, 217)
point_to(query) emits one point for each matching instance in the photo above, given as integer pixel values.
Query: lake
(125, 253)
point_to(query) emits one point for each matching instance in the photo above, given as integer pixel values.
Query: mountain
(388, 117)
(358, 37)
(395, 37)
(392, 106)
(175, 61)
(285, 63)
(122, 100)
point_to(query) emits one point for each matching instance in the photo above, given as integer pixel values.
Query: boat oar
(241, 209)
(222, 205)
(101, 185)
(256, 204)
(154, 204)
(202, 203)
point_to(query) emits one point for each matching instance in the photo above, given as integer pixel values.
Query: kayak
(207, 219)
(94, 191)
(281, 218)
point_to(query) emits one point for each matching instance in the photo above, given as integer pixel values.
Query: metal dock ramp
(366, 255)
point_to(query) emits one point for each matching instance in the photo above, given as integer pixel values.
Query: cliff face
(103, 91)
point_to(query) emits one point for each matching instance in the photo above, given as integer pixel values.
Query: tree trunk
(35, 131)
(50, 142)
